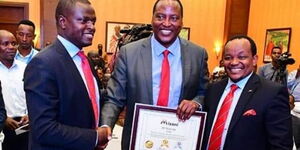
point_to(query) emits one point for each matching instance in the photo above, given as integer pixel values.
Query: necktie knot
(81, 55)
(233, 87)
(166, 53)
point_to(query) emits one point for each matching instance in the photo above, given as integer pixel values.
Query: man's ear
(62, 21)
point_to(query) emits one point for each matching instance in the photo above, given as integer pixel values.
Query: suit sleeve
(116, 91)
(278, 122)
(2, 110)
(203, 78)
(43, 103)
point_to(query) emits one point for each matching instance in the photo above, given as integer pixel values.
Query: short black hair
(276, 47)
(181, 7)
(27, 22)
(252, 43)
(66, 5)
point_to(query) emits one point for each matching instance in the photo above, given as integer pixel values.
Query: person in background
(245, 111)
(161, 70)
(25, 35)
(62, 93)
(293, 84)
(273, 71)
(218, 72)
(96, 59)
(11, 77)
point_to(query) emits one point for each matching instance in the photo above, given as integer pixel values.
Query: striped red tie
(216, 135)
(163, 96)
(90, 83)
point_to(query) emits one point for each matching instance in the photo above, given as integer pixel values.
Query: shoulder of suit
(268, 84)
(191, 45)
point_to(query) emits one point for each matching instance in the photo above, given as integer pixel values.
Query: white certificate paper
(158, 128)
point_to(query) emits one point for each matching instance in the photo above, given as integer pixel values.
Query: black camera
(135, 33)
(285, 59)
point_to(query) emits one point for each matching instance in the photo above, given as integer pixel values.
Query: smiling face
(78, 25)
(167, 22)
(238, 59)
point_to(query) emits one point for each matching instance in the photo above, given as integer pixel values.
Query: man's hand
(186, 109)
(24, 120)
(11, 124)
(104, 135)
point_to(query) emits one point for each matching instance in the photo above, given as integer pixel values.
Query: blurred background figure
(218, 72)
(25, 36)
(274, 71)
(294, 88)
(11, 77)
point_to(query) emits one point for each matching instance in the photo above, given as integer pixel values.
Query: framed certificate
(158, 128)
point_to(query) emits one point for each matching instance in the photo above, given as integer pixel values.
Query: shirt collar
(158, 48)
(70, 47)
(30, 54)
(15, 64)
(241, 84)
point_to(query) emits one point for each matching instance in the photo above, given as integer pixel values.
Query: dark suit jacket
(2, 110)
(131, 81)
(269, 129)
(60, 111)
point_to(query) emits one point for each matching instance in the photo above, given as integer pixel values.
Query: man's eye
(160, 17)
(175, 18)
(243, 57)
(227, 58)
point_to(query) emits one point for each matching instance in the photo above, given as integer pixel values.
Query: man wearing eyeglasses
(11, 78)
(25, 36)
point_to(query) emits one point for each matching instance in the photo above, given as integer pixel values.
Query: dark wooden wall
(236, 18)
(11, 14)
(48, 23)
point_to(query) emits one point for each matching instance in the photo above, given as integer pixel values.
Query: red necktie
(216, 135)
(163, 96)
(90, 83)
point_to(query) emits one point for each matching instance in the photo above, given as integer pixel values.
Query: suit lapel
(69, 64)
(146, 55)
(214, 98)
(186, 65)
(247, 93)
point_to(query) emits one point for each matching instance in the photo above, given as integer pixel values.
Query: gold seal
(165, 143)
(148, 144)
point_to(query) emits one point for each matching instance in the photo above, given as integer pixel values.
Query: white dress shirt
(26, 59)
(12, 89)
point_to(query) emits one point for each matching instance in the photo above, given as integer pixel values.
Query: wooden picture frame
(113, 34)
(277, 37)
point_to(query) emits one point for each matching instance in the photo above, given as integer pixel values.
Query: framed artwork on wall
(278, 37)
(185, 33)
(113, 34)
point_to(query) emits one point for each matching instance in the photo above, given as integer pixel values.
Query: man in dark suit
(137, 77)
(2, 116)
(258, 115)
(62, 94)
